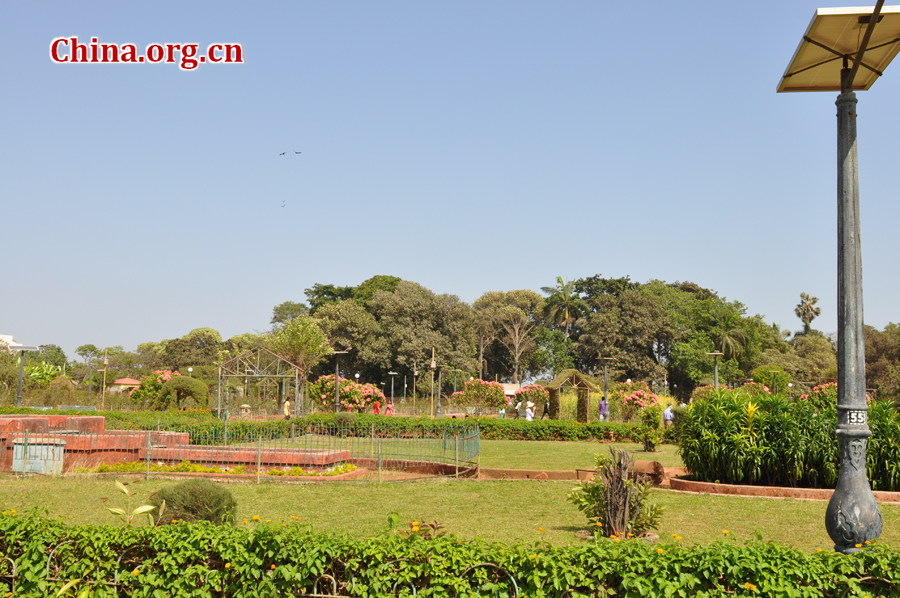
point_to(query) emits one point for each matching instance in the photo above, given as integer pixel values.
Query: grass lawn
(495, 510)
(519, 454)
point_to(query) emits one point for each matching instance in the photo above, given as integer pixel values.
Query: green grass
(520, 454)
(495, 510)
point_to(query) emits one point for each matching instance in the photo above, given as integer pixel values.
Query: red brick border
(687, 485)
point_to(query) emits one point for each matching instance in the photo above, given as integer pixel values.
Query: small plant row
(188, 467)
(286, 559)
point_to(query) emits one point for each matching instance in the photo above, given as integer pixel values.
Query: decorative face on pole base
(852, 517)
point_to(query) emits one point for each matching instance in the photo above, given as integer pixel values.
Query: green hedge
(201, 560)
(781, 442)
(549, 429)
(205, 429)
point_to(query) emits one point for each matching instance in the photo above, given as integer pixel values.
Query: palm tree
(807, 311)
(563, 304)
(728, 336)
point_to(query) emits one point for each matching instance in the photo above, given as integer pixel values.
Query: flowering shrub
(636, 402)
(151, 384)
(484, 392)
(534, 393)
(755, 389)
(354, 396)
(701, 393)
(825, 396)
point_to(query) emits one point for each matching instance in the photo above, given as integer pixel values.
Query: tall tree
(301, 342)
(287, 311)
(807, 311)
(727, 333)
(563, 304)
(516, 335)
(88, 352)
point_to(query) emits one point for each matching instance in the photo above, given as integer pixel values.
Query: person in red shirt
(389, 409)
(377, 409)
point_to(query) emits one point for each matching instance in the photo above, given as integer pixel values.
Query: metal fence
(299, 451)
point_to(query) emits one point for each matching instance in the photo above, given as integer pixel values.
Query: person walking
(376, 408)
(529, 411)
(546, 412)
(389, 409)
(668, 417)
(518, 406)
(287, 410)
(604, 409)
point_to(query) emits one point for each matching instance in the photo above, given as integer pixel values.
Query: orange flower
(660, 550)
(725, 531)
(136, 571)
(228, 565)
(273, 567)
(540, 529)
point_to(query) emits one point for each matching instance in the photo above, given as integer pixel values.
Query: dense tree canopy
(655, 331)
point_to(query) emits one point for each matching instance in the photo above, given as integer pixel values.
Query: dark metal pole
(337, 384)
(852, 517)
(717, 373)
(21, 368)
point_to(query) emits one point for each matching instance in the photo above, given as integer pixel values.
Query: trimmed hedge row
(201, 560)
(205, 429)
(548, 429)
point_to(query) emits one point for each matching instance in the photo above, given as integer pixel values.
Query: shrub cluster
(202, 560)
(733, 438)
(196, 500)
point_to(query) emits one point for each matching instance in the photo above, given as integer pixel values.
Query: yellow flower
(415, 523)
(867, 542)
(749, 586)
(228, 565)
(725, 531)
(174, 521)
(12, 511)
(859, 545)
(660, 550)
(618, 540)
(136, 571)
(534, 556)
(256, 518)
(540, 529)
(501, 550)
(284, 525)
(674, 535)
(818, 550)
(598, 524)
(245, 522)
(268, 521)
(415, 528)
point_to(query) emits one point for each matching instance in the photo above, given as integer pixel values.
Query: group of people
(529, 410)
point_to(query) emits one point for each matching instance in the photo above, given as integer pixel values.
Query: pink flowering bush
(534, 393)
(483, 392)
(353, 396)
(825, 396)
(636, 402)
(701, 393)
(151, 385)
(755, 389)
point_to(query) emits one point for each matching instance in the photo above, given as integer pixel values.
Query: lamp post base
(852, 517)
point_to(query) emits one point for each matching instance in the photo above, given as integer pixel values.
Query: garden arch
(260, 370)
(583, 386)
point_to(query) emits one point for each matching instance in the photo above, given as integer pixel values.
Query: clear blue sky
(467, 146)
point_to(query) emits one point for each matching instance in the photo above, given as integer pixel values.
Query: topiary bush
(179, 389)
(196, 500)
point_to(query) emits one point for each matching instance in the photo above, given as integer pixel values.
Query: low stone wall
(685, 484)
(652, 470)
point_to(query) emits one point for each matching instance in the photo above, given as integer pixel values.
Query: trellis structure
(583, 386)
(265, 369)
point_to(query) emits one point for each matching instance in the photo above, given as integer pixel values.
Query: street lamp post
(337, 379)
(822, 63)
(716, 354)
(21, 349)
(605, 361)
(190, 372)
(392, 374)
